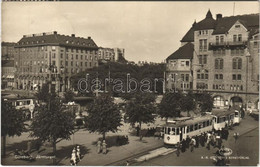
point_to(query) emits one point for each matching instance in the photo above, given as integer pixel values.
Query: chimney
(43, 33)
(54, 32)
(73, 35)
(24, 36)
(219, 16)
(33, 35)
(89, 37)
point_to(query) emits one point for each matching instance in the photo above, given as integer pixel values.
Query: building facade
(225, 59)
(8, 71)
(7, 50)
(178, 69)
(51, 57)
(111, 54)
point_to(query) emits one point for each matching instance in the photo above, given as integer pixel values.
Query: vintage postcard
(129, 83)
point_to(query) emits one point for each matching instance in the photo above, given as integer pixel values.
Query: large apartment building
(226, 58)
(7, 50)
(52, 57)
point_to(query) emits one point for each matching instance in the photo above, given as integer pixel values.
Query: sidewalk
(87, 142)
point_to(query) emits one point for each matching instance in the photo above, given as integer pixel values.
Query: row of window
(219, 62)
(220, 87)
(198, 126)
(190, 128)
(234, 52)
(53, 48)
(87, 57)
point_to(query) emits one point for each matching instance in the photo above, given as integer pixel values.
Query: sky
(148, 31)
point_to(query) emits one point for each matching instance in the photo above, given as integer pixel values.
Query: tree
(188, 103)
(170, 105)
(43, 94)
(69, 96)
(103, 116)
(51, 123)
(12, 122)
(205, 101)
(141, 109)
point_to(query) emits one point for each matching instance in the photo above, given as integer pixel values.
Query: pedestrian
(29, 146)
(127, 163)
(213, 140)
(137, 130)
(78, 153)
(178, 149)
(197, 141)
(98, 146)
(183, 145)
(192, 144)
(73, 160)
(208, 141)
(188, 142)
(104, 147)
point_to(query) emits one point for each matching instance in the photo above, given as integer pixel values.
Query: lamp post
(247, 59)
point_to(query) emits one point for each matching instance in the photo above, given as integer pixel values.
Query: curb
(130, 158)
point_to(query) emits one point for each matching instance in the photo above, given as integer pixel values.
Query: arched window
(219, 63)
(218, 101)
(237, 63)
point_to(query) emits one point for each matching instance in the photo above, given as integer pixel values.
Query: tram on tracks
(176, 131)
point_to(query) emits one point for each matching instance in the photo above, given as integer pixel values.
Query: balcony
(230, 44)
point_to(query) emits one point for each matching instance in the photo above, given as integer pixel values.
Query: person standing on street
(98, 146)
(78, 153)
(104, 147)
(178, 149)
(183, 145)
(192, 144)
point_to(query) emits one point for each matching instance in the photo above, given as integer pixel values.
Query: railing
(229, 43)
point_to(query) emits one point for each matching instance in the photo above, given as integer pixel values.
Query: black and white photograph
(129, 83)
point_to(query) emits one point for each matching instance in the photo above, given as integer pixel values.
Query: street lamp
(247, 58)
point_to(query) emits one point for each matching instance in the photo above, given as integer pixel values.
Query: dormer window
(237, 26)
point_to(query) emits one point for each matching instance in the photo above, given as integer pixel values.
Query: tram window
(169, 129)
(224, 119)
(173, 129)
(178, 131)
(164, 129)
(199, 126)
(188, 129)
(210, 122)
(207, 123)
(191, 128)
(195, 126)
(28, 102)
(204, 124)
(236, 113)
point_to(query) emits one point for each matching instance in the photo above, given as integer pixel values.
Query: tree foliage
(69, 96)
(51, 122)
(170, 105)
(103, 115)
(120, 71)
(140, 109)
(12, 122)
(43, 94)
(188, 102)
(205, 101)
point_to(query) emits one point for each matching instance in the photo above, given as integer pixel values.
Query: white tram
(175, 132)
(223, 118)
